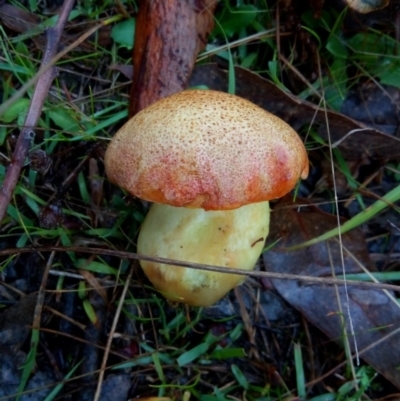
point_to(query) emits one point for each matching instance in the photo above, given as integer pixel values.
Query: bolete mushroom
(211, 162)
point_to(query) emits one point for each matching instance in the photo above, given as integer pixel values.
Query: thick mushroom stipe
(233, 238)
(206, 149)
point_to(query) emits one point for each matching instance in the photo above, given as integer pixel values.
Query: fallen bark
(169, 35)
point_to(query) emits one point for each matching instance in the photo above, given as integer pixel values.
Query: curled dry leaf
(125, 70)
(22, 21)
(51, 216)
(366, 6)
(354, 139)
(95, 182)
(376, 317)
(94, 282)
(17, 19)
(39, 161)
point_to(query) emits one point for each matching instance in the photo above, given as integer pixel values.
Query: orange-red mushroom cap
(206, 149)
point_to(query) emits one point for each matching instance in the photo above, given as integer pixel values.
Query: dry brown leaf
(354, 139)
(16, 322)
(17, 19)
(94, 282)
(376, 318)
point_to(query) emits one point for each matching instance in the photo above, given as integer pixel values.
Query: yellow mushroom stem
(233, 238)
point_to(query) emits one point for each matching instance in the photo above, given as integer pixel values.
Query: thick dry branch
(27, 133)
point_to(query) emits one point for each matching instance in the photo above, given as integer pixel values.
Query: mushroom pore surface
(206, 149)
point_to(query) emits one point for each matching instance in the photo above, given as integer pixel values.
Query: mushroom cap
(206, 149)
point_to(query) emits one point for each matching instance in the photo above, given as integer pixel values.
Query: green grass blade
(29, 363)
(89, 310)
(141, 361)
(361, 218)
(53, 394)
(160, 372)
(193, 354)
(196, 352)
(240, 377)
(227, 353)
(95, 267)
(300, 380)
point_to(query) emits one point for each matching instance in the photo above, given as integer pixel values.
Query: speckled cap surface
(206, 149)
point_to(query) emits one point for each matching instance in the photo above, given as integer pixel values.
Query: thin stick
(32, 81)
(27, 133)
(199, 266)
(111, 335)
(339, 225)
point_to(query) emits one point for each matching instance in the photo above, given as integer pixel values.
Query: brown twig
(111, 335)
(44, 68)
(199, 266)
(27, 133)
